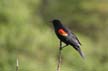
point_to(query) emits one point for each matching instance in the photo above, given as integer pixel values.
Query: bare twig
(17, 64)
(59, 57)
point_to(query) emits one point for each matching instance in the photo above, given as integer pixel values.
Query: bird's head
(56, 22)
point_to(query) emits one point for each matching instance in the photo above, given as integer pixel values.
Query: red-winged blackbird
(66, 36)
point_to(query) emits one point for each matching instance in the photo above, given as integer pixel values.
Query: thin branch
(59, 57)
(17, 64)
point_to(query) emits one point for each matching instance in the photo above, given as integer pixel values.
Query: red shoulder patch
(62, 32)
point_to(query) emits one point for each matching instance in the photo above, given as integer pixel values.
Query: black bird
(66, 36)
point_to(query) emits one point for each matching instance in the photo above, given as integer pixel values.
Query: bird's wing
(66, 33)
(62, 32)
(72, 37)
(74, 40)
(75, 37)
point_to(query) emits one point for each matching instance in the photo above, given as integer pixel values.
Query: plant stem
(17, 64)
(59, 57)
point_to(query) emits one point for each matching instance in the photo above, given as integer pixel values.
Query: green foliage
(26, 33)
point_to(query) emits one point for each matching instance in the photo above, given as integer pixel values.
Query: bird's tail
(80, 52)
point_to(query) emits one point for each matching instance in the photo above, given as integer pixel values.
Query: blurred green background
(26, 33)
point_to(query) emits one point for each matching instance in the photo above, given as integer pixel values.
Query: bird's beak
(50, 21)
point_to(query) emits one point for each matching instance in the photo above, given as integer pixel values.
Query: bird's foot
(64, 45)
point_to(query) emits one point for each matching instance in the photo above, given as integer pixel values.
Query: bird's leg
(64, 46)
(60, 45)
